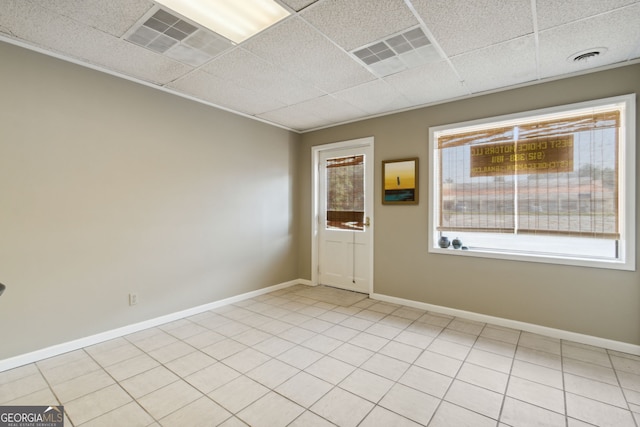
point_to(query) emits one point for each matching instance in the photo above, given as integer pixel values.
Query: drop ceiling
(335, 61)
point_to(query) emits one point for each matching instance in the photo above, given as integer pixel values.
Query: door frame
(315, 191)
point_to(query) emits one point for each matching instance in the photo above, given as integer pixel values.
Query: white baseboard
(515, 324)
(55, 350)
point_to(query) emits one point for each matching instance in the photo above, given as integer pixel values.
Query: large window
(554, 185)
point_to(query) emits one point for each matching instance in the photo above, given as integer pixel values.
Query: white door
(344, 213)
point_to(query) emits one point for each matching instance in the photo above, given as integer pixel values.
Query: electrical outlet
(133, 299)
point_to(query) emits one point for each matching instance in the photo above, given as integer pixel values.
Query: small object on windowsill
(465, 248)
(444, 242)
(457, 243)
(2, 288)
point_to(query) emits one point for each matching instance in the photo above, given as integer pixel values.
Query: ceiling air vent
(174, 37)
(396, 53)
(587, 55)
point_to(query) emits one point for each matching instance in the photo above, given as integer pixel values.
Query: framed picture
(400, 182)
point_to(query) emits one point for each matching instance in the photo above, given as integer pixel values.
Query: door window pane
(345, 193)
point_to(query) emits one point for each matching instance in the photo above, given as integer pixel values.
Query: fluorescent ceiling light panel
(237, 20)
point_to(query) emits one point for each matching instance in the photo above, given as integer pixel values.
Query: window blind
(345, 193)
(553, 176)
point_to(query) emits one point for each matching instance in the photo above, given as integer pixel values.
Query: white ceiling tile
(219, 92)
(374, 97)
(314, 113)
(43, 28)
(552, 13)
(460, 26)
(298, 4)
(427, 84)
(298, 48)
(248, 70)
(500, 65)
(113, 16)
(558, 43)
(354, 23)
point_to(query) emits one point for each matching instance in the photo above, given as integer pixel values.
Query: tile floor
(321, 357)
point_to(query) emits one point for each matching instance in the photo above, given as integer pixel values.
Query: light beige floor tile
(595, 390)
(297, 335)
(246, 360)
(410, 403)
(312, 311)
(342, 408)
(272, 373)
(510, 336)
(74, 356)
(186, 330)
(171, 352)
(149, 381)
(382, 307)
(518, 413)
(629, 381)
(540, 343)
(380, 330)
(116, 355)
(212, 377)
(304, 389)
(38, 398)
(333, 317)
(158, 340)
(458, 337)
(18, 373)
(274, 346)
(380, 417)
(300, 357)
(330, 370)
(400, 351)
(316, 325)
(585, 353)
(589, 370)
(271, 410)
(597, 413)
(238, 394)
(425, 329)
(366, 385)
(466, 326)
(626, 363)
(370, 315)
(490, 360)
(322, 344)
(449, 348)
(483, 377)
(351, 354)
(130, 415)
(538, 357)
(435, 319)
(368, 341)
(356, 323)
(475, 398)
(495, 346)
(252, 337)
(536, 394)
(340, 332)
(439, 363)
(223, 349)
(448, 415)
(69, 371)
(204, 339)
(82, 385)
(193, 362)
(409, 313)
(414, 339)
(131, 367)
(96, 404)
(169, 399)
(537, 373)
(427, 381)
(385, 366)
(22, 387)
(309, 419)
(395, 322)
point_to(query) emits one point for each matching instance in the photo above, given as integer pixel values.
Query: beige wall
(108, 187)
(602, 303)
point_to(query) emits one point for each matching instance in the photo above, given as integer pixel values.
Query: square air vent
(172, 36)
(396, 53)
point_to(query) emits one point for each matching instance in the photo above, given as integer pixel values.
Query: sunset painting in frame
(400, 182)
